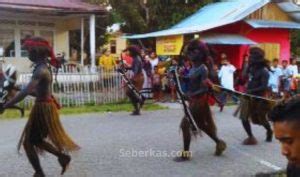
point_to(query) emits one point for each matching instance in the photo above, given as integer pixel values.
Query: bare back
(43, 78)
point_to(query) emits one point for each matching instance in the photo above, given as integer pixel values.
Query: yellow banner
(170, 45)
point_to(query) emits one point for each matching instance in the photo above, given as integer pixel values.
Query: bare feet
(143, 102)
(39, 174)
(22, 112)
(250, 141)
(221, 107)
(135, 113)
(220, 148)
(64, 161)
(184, 156)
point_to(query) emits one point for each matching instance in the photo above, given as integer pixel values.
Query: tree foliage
(295, 45)
(150, 15)
(140, 16)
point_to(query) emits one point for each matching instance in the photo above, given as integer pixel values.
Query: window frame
(17, 33)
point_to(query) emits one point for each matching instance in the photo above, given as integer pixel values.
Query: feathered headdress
(39, 42)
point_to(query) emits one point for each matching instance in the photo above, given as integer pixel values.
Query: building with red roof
(50, 19)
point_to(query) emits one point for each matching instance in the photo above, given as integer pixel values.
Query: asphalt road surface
(119, 145)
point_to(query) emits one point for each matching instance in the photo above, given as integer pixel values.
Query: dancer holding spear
(198, 116)
(43, 131)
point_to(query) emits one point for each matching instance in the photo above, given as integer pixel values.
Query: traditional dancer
(137, 79)
(198, 95)
(43, 130)
(253, 109)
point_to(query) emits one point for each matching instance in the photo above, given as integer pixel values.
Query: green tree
(295, 46)
(140, 16)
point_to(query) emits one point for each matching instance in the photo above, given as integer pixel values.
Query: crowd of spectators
(283, 80)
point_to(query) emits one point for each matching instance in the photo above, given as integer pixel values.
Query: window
(113, 46)
(48, 35)
(25, 34)
(7, 42)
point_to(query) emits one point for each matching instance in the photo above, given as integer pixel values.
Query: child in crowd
(171, 81)
(156, 80)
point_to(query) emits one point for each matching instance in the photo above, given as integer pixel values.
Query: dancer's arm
(28, 90)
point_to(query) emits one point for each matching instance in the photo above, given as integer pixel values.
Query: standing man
(286, 123)
(255, 110)
(295, 71)
(147, 70)
(287, 75)
(274, 81)
(199, 86)
(294, 67)
(43, 131)
(137, 77)
(226, 76)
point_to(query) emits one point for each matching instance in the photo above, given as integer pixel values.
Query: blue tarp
(226, 39)
(211, 16)
(273, 24)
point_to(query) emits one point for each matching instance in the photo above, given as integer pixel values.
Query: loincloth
(44, 125)
(137, 81)
(201, 112)
(255, 110)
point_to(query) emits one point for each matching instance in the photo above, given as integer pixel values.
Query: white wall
(60, 30)
(21, 63)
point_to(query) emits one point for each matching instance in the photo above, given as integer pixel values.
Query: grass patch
(116, 107)
(274, 174)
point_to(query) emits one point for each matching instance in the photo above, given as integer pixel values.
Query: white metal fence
(78, 86)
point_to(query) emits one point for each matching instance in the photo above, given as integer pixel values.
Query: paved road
(110, 143)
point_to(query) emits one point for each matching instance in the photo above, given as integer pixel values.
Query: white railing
(78, 87)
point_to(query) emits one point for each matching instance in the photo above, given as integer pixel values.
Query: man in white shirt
(274, 80)
(294, 67)
(153, 60)
(226, 77)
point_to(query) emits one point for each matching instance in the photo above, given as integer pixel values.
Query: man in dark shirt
(286, 123)
(252, 109)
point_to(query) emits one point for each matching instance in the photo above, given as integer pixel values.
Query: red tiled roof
(72, 5)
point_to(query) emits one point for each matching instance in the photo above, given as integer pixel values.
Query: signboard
(170, 45)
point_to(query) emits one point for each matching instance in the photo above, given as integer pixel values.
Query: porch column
(93, 41)
(82, 41)
(18, 43)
